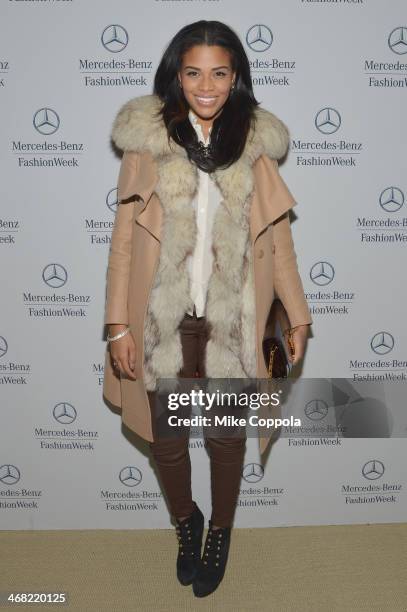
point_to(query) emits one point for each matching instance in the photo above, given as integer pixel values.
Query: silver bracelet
(117, 336)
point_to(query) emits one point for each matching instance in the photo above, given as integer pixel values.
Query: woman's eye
(218, 73)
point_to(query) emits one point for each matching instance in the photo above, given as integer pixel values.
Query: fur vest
(230, 300)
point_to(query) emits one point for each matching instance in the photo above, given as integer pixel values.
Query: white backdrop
(336, 74)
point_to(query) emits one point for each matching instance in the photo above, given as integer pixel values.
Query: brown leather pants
(171, 455)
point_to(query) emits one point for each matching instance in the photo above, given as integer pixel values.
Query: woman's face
(206, 78)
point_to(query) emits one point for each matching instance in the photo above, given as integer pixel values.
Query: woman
(201, 242)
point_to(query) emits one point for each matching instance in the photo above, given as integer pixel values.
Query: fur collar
(136, 129)
(230, 305)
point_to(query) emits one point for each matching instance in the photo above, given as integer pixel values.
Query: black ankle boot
(189, 532)
(213, 563)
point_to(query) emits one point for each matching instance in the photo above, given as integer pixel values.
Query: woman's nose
(206, 83)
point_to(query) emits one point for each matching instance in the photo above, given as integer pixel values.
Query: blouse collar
(198, 128)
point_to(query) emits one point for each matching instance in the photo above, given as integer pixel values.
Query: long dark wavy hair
(231, 128)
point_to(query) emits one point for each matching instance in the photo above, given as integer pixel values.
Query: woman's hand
(123, 351)
(299, 338)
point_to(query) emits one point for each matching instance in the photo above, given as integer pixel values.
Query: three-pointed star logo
(259, 38)
(316, 409)
(115, 38)
(111, 200)
(382, 343)
(373, 469)
(54, 275)
(3, 346)
(64, 413)
(9, 474)
(391, 199)
(46, 121)
(322, 273)
(253, 472)
(328, 120)
(398, 40)
(130, 476)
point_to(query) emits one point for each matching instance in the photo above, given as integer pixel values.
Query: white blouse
(205, 204)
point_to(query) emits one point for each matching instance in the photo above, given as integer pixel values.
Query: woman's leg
(226, 461)
(226, 456)
(171, 455)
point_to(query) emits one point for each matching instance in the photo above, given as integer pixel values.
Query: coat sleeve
(287, 281)
(118, 268)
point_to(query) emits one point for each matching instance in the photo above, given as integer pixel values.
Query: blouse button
(260, 253)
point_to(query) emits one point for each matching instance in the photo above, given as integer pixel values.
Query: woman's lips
(205, 101)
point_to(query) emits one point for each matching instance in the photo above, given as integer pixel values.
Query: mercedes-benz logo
(3, 346)
(398, 40)
(46, 121)
(130, 476)
(373, 469)
(382, 343)
(322, 273)
(316, 409)
(391, 199)
(111, 200)
(64, 413)
(253, 472)
(54, 275)
(115, 38)
(328, 120)
(9, 474)
(259, 38)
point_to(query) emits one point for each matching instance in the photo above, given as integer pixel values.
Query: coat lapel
(272, 198)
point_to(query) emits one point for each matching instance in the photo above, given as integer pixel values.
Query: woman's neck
(204, 124)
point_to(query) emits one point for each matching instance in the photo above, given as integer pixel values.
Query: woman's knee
(170, 451)
(230, 447)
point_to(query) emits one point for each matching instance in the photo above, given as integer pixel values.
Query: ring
(115, 364)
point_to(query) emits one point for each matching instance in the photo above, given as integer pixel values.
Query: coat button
(260, 253)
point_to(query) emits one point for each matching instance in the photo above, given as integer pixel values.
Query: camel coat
(135, 254)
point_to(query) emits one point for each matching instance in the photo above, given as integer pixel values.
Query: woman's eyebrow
(217, 67)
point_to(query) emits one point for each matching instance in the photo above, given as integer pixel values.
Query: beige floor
(297, 569)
